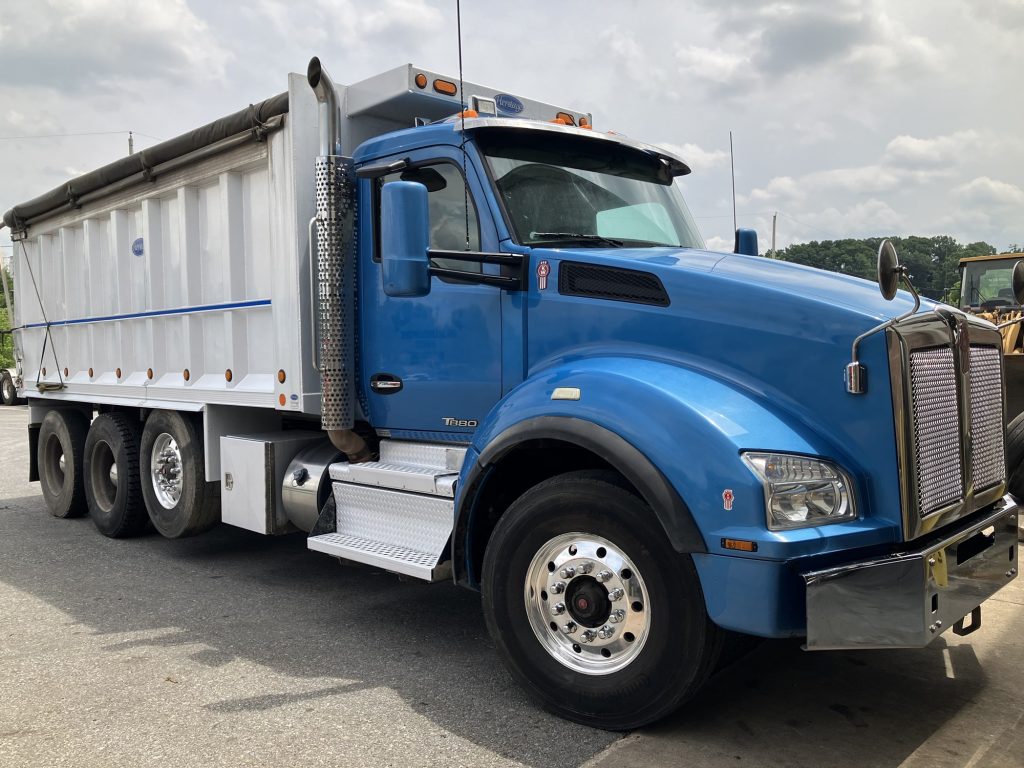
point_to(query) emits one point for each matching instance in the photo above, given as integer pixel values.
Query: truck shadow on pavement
(235, 595)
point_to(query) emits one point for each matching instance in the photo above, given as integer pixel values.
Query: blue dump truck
(454, 333)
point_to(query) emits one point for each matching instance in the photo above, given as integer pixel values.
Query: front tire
(179, 500)
(60, 457)
(593, 611)
(112, 482)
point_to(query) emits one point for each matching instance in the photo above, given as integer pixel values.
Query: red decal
(543, 270)
(727, 499)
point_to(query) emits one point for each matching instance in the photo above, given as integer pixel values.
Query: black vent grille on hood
(613, 283)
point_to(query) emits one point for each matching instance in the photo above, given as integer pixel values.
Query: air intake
(612, 283)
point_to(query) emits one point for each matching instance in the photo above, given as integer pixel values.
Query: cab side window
(448, 200)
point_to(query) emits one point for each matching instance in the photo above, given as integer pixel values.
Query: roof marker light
(446, 87)
(566, 118)
(421, 80)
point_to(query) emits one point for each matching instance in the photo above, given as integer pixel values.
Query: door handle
(385, 383)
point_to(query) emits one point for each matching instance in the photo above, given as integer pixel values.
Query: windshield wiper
(578, 236)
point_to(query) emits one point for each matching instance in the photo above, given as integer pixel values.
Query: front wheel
(594, 612)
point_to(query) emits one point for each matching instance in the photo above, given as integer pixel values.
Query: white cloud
(911, 151)
(72, 45)
(987, 191)
(712, 64)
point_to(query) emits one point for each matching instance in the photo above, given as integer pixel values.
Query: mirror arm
(517, 261)
(382, 169)
(476, 278)
(856, 374)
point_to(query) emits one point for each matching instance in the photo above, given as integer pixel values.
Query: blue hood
(780, 332)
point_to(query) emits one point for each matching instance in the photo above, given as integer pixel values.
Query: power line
(66, 135)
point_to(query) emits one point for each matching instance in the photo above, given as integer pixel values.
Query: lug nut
(588, 636)
(616, 594)
(567, 573)
(603, 576)
(558, 609)
(617, 616)
(584, 568)
(568, 628)
(605, 632)
(558, 588)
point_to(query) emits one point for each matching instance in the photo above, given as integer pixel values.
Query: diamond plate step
(398, 531)
(439, 455)
(399, 477)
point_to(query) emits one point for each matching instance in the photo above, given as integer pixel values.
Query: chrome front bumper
(908, 599)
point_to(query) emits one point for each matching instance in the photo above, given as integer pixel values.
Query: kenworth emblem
(510, 105)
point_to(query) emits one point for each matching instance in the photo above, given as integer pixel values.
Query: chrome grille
(988, 463)
(936, 426)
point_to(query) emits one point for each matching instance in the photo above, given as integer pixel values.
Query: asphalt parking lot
(238, 650)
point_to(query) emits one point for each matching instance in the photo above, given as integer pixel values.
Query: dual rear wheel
(126, 476)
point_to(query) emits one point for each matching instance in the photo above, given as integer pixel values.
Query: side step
(397, 513)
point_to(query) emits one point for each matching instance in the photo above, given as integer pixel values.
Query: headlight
(800, 492)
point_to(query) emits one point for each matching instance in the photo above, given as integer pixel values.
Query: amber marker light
(446, 87)
(185, 374)
(228, 375)
(469, 113)
(421, 80)
(739, 545)
(282, 400)
(65, 372)
(280, 376)
(117, 373)
(566, 118)
(149, 373)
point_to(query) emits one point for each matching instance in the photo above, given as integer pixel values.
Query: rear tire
(8, 392)
(1015, 457)
(658, 645)
(60, 458)
(179, 500)
(113, 486)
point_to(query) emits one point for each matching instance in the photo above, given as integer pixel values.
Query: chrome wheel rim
(587, 604)
(8, 389)
(166, 470)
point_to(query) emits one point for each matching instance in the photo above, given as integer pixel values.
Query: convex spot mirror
(404, 239)
(889, 270)
(428, 177)
(1018, 282)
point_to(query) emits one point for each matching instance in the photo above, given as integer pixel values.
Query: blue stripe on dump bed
(157, 313)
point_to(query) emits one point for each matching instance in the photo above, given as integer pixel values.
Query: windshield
(561, 190)
(988, 284)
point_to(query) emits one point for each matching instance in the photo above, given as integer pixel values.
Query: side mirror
(1018, 282)
(889, 270)
(405, 237)
(746, 242)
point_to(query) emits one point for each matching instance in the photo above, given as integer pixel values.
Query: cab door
(432, 364)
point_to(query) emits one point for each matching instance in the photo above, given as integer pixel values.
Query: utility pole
(775, 217)
(131, 144)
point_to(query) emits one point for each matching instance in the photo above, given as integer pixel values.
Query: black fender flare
(663, 499)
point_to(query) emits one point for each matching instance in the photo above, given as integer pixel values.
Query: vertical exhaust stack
(335, 265)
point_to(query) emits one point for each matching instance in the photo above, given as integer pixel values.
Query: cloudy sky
(849, 118)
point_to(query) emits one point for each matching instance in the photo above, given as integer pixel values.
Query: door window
(452, 211)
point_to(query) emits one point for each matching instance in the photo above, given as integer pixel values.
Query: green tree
(6, 344)
(931, 261)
